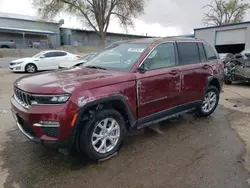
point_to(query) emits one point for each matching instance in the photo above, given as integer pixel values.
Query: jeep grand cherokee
(131, 84)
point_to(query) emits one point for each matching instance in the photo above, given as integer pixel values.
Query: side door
(208, 68)
(189, 60)
(58, 58)
(47, 61)
(159, 87)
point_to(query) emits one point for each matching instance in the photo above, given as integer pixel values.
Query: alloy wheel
(209, 102)
(106, 135)
(31, 68)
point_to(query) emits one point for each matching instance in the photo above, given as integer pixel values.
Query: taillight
(78, 56)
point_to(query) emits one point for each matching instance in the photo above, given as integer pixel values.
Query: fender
(211, 80)
(105, 99)
(91, 103)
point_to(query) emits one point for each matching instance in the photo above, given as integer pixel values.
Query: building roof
(22, 17)
(226, 25)
(110, 33)
(28, 31)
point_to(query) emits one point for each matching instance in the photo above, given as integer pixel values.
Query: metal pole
(24, 40)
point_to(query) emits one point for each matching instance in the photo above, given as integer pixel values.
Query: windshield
(39, 54)
(121, 57)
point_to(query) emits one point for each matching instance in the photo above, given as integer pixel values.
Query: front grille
(26, 127)
(22, 97)
(51, 131)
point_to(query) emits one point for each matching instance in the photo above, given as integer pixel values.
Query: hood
(58, 81)
(24, 59)
(69, 64)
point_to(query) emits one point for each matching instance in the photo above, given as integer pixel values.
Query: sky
(161, 18)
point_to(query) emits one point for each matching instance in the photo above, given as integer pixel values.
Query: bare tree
(96, 13)
(223, 12)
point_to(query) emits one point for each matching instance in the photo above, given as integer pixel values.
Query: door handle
(173, 72)
(206, 66)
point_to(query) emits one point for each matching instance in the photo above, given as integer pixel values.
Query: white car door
(46, 61)
(60, 57)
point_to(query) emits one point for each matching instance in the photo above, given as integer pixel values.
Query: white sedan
(83, 59)
(46, 60)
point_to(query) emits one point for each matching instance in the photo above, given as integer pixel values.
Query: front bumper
(28, 118)
(17, 68)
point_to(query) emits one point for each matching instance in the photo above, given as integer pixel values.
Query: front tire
(102, 135)
(209, 102)
(30, 68)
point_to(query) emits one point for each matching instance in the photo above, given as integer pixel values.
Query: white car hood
(69, 64)
(24, 59)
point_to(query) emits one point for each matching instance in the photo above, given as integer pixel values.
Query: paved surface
(4, 62)
(192, 152)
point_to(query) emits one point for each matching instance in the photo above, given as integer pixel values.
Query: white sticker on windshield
(135, 49)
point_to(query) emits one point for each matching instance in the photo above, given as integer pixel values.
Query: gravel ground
(191, 152)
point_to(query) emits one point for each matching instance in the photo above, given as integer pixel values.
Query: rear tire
(102, 135)
(209, 102)
(30, 68)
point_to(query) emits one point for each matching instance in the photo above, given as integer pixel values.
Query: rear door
(60, 57)
(208, 68)
(159, 87)
(188, 60)
(47, 62)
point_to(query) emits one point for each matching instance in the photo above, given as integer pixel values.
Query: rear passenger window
(202, 52)
(58, 54)
(188, 53)
(211, 55)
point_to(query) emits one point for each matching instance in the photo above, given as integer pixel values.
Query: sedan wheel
(30, 68)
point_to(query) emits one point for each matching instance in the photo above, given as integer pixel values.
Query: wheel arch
(213, 81)
(31, 63)
(117, 102)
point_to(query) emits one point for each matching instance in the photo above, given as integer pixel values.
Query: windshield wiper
(95, 67)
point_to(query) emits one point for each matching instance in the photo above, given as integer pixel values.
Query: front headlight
(17, 63)
(49, 99)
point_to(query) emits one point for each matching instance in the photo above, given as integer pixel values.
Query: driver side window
(162, 56)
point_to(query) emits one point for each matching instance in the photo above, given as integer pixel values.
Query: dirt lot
(212, 152)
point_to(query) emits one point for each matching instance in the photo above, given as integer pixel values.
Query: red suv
(131, 84)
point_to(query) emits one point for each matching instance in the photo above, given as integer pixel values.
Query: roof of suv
(158, 40)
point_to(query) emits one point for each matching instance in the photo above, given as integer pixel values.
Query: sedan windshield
(121, 57)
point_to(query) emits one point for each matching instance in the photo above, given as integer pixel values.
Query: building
(91, 38)
(27, 31)
(232, 38)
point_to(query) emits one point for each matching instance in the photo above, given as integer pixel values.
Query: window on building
(188, 53)
(202, 52)
(211, 54)
(161, 57)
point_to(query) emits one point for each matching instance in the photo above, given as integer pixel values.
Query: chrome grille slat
(22, 97)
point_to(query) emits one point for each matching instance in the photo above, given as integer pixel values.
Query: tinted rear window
(188, 53)
(211, 54)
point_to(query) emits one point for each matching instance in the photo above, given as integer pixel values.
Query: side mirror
(42, 56)
(141, 70)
